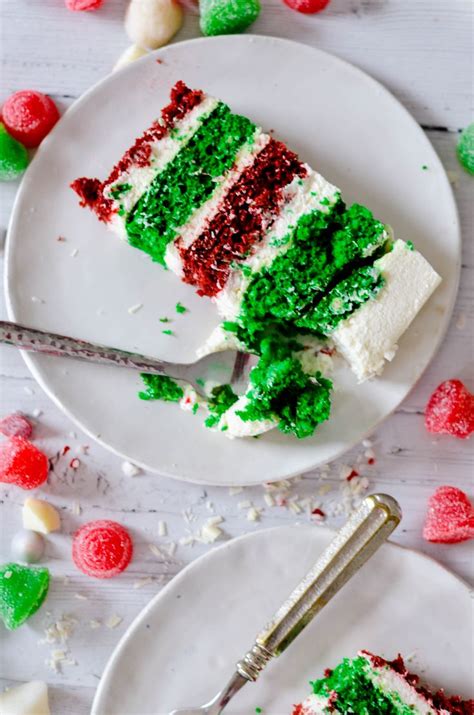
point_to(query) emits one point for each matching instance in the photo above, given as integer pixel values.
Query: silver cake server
(223, 367)
(361, 536)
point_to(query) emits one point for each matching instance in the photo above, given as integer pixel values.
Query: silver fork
(364, 532)
(226, 366)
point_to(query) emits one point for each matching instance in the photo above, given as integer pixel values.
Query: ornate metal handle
(59, 345)
(361, 536)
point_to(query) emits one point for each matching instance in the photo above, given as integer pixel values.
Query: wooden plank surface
(420, 50)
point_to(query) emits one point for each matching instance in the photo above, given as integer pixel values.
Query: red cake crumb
(450, 410)
(91, 191)
(318, 512)
(353, 474)
(102, 548)
(450, 517)
(29, 116)
(16, 425)
(22, 463)
(245, 214)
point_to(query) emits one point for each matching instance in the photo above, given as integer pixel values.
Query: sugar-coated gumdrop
(26, 699)
(40, 516)
(15, 425)
(131, 54)
(450, 517)
(309, 7)
(13, 157)
(22, 463)
(22, 591)
(81, 5)
(102, 549)
(29, 116)
(152, 23)
(465, 148)
(28, 546)
(223, 17)
(450, 410)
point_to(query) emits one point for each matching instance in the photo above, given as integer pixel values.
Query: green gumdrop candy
(22, 591)
(13, 156)
(223, 17)
(466, 148)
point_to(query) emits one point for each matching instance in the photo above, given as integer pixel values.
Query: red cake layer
(244, 215)
(91, 191)
(455, 705)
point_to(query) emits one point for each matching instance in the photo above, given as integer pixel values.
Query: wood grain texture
(422, 51)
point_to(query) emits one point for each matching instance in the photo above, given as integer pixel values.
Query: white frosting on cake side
(369, 336)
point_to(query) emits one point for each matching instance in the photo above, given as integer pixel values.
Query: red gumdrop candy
(80, 5)
(450, 410)
(450, 517)
(308, 7)
(102, 549)
(29, 116)
(16, 425)
(22, 463)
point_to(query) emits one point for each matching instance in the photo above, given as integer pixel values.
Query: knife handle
(362, 535)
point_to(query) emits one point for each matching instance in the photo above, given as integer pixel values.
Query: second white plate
(182, 648)
(342, 122)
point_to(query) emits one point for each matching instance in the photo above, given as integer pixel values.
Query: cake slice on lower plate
(294, 272)
(371, 685)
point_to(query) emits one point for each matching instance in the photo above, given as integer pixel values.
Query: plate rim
(34, 367)
(196, 563)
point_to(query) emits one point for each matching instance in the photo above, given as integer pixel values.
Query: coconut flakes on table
(162, 528)
(156, 551)
(130, 470)
(60, 630)
(233, 491)
(268, 499)
(94, 624)
(113, 621)
(81, 597)
(146, 581)
(246, 504)
(254, 513)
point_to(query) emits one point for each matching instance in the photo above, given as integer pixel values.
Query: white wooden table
(422, 51)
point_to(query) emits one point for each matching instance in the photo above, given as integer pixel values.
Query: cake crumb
(94, 624)
(269, 500)
(254, 514)
(233, 491)
(246, 504)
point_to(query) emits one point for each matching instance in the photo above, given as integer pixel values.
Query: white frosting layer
(163, 151)
(193, 228)
(369, 336)
(303, 196)
(237, 427)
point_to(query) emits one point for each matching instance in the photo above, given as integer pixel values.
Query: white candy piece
(41, 516)
(27, 699)
(131, 54)
(152, 23)
(28, 546)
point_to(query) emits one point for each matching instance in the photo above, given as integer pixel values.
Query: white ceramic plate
(183, 646)
(342, 122)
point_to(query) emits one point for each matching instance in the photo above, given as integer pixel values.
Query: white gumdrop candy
(27, 699)
(28, 546)
(131, 54)
(152, 23)
(41, 516)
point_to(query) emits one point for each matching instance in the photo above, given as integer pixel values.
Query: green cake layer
(187, 181)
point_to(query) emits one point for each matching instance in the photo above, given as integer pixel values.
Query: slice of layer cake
(293, 271)
(371, 685)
